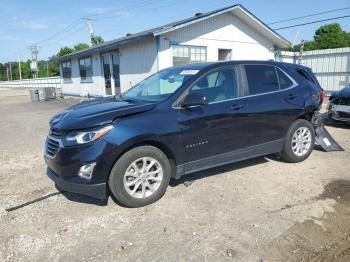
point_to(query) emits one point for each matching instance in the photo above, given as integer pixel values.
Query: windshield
(159, 86)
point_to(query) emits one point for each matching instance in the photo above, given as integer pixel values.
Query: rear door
(273, 103)
(216, 128)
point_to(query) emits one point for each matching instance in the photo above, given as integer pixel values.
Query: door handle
(236, 107)
(291, 96)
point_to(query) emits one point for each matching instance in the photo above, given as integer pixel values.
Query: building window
(224, 54)
(85, 67)
(66, 71)
(183, 54)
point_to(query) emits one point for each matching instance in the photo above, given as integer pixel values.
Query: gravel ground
(256, 210)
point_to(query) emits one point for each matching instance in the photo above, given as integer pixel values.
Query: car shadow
(188, 179)
(83, 199)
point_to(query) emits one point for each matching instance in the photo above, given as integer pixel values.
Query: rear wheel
(140, 177)
(299, 141)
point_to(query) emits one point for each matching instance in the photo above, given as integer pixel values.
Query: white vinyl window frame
(188, 54)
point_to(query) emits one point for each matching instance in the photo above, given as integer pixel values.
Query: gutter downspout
(158, 49)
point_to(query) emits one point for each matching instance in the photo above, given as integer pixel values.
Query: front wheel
(299, 141)
(140, 177)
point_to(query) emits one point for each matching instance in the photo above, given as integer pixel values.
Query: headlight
(82, 137)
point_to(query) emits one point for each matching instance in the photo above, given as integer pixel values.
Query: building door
(110, 66)
(224, 54)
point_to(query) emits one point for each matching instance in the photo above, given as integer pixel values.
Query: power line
(305, 16)
(146, 10)
(64, 30)
(68, 36)
(313, 22)
(123, 8)
(171, 17)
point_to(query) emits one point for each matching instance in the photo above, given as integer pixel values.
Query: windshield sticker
(189, 72)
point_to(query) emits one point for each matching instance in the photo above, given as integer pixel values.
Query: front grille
(344, 115)
(52, 146)
(56, 132)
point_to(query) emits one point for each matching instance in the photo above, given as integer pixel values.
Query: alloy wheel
(301, 141)
(143, 177)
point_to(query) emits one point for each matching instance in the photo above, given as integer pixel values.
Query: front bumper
(94, 190)
(65, 163)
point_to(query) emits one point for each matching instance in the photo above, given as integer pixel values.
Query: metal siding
(331, 66)
(225, 31)
(137, 61)
(75, 87)
(36, 83)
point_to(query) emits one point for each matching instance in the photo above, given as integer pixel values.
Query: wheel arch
(150, 142)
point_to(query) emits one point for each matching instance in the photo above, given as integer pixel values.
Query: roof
(200, 66)
(238, 10)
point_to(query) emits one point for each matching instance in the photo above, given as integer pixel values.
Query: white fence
(331, 66)
(35, 83)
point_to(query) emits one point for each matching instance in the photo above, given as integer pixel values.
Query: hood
(345, 92)
(96, 112)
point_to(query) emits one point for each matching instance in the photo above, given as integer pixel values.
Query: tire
(132, 168)
(290, 151)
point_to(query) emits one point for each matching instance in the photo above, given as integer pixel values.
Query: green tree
(65, 51)
(2, 72)
(327, 36)
(331, 36)
(80, 46)
(96, 40)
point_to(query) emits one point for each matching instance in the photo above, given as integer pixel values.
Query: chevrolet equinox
(182, 120)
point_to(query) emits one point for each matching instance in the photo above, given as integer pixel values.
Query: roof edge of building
(110, 45)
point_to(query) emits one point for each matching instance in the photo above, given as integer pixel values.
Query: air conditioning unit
(49, 93)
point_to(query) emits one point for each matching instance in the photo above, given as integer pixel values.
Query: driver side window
(218, 85)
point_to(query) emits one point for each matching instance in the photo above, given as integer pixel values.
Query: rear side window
(283, 80)
(261, 79)
(311, 78)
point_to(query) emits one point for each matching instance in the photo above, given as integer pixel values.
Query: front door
(110, 67)
(217, 128)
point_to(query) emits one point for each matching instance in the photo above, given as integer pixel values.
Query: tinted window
(218, 85)
(85, 67)
(283, 80)
(307, 76)
(261, 79)
(67, 70)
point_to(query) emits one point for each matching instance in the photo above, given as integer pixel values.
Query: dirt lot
(258, 210)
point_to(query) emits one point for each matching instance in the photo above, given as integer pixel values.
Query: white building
(231, 33)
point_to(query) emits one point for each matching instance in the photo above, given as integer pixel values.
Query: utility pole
(301, 52)
(34, 64)
(90, 29)
(19, 68)
(47, 69)
(7, 73)
(10, 71)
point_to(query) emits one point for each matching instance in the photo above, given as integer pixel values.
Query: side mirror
(194, 99)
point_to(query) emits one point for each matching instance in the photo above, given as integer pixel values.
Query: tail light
(322, 96)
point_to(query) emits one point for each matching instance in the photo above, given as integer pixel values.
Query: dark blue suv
(182, 120)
